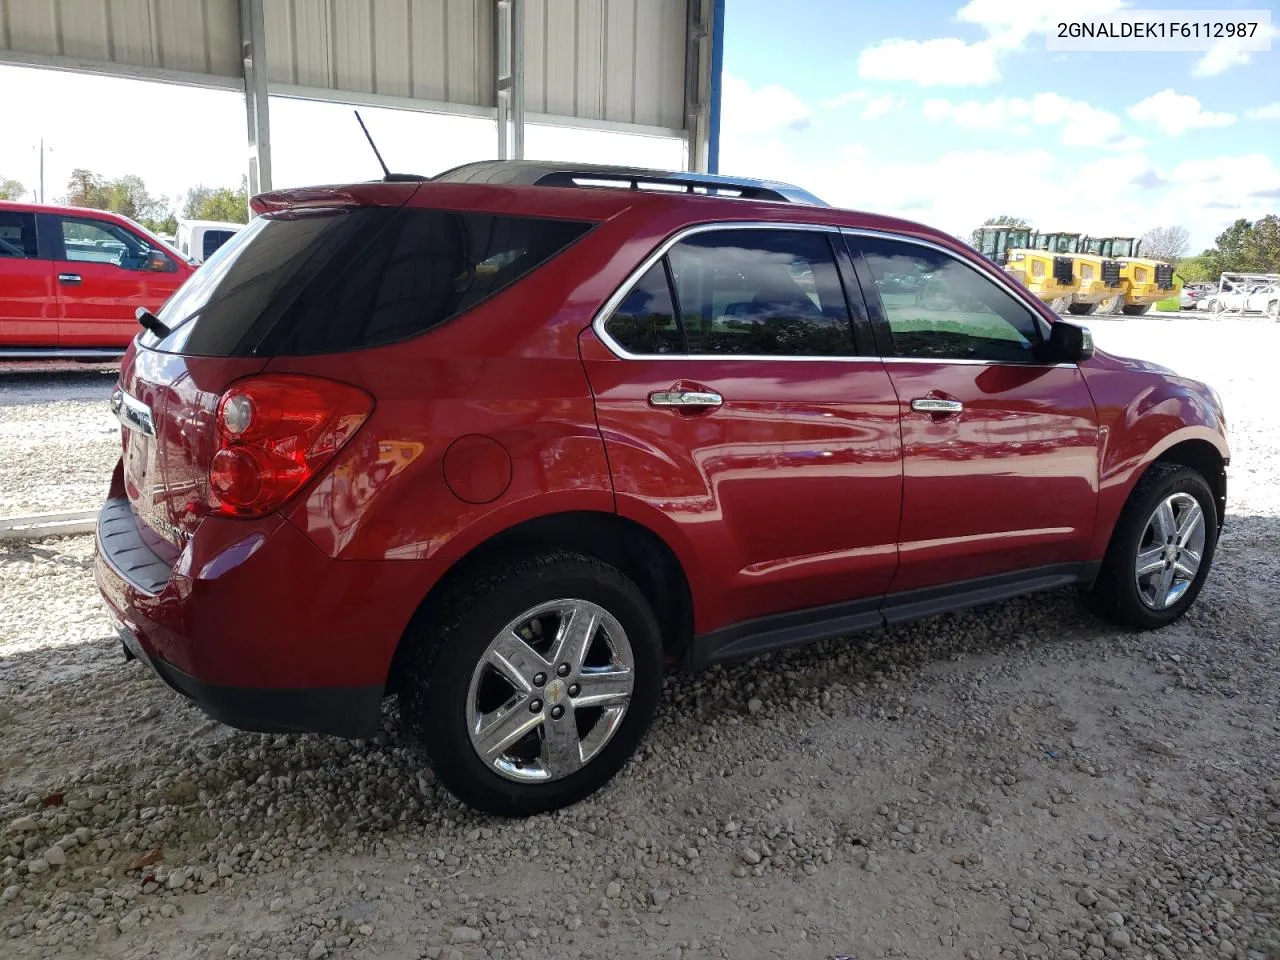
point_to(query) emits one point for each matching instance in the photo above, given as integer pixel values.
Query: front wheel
(1160, 551)
(1136, 310)
(1273, 310)
(1082, 309)
(1111, 305)
(531, 688)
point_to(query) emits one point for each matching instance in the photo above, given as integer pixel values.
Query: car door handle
(68, 278)
(936, 405)
(686, 398)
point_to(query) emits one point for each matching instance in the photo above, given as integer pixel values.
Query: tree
(220, 203)
(86, 189)
(11, 189)
(1165, 243)
(1262, 246)
(1199, 269)
(129, 197)
(1003, 220)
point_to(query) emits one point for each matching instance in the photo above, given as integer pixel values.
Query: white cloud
(945, 62)
(764, 110)
(954, 62)
(1081, 124)
(1226, 53)
(880, 106)
(1011, 24)
(1270, 112)
(853, 96)
(1175, 113)
(1115, 193)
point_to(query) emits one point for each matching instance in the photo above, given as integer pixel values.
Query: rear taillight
(275, 433)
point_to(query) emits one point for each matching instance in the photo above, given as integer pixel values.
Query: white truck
(198, 239)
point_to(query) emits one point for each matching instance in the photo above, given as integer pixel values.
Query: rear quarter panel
(508, 371)
(1143, 412)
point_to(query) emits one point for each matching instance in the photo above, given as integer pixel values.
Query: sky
(942, 111)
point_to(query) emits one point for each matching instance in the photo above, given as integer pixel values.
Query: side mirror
(1069, 343)
(157, 262)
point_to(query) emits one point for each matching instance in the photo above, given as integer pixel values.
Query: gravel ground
(58, 440)
(1018, 781)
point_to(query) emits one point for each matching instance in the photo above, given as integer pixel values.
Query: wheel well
(1204, 458)
(634, 549)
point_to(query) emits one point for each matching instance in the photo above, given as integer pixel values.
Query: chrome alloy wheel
(550, 691)
(1170, 551)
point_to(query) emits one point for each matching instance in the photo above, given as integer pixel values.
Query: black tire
(1082, 309)
(1136, 310)
(450, 635)
(1114, 595)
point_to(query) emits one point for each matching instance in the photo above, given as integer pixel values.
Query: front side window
(760, 292)
(18, 235)
(937, 307)
(96, 241)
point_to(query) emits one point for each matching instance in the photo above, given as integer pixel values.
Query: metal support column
(717, 69)
(697, 85)
(509, 77)
(253, 47)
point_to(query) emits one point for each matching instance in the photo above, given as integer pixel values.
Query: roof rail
(552, 174)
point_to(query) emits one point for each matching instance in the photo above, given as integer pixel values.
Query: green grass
(1173, 303)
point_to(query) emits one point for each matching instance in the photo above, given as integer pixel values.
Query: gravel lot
(1019, 781)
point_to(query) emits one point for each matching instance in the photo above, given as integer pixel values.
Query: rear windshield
(340, 279)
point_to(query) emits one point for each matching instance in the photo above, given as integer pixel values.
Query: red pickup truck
(71, 280)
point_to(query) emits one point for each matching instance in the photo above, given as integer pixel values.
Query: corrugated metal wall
(617, 60)
(620, 60)
(195, 36)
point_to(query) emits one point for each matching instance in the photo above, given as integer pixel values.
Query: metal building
(637, 66)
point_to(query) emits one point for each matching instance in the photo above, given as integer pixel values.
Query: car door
(28, 300)
(1000, 449)
(744, 427)
(104, 274)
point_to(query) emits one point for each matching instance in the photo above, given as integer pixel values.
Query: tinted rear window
(340, 280)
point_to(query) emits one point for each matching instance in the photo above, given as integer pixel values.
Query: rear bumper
(256, 625)
(340, 711)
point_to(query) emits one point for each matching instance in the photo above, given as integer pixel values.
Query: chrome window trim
(615, 300)
(605, 312)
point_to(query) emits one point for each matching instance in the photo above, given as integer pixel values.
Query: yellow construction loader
(1046, 267)
(1135, 282)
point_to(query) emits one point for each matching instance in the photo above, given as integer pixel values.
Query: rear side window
(645, 321)
(739, 292)
(18, 235)
(339, 280)
(757, 292)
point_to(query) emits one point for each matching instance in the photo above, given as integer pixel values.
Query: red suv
(72, 280)
(512, 442)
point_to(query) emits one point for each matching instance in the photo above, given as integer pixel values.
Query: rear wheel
(1273, 309)
(1082, 309)
(1160, 551)
(1216, 307)
(1060, 304)
(530, 688)
(1136, 310)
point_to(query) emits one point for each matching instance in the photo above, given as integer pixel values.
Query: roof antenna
(388, 177)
